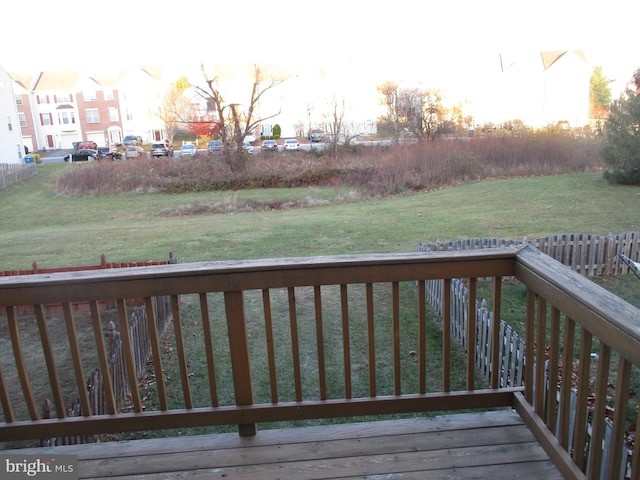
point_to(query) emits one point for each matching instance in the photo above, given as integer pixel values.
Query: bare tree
(432, 113)
(340, 131)
(390, 92)
(237, 120)
(412, 110)
(176, 108)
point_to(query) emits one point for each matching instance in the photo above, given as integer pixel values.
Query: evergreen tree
(621, 147)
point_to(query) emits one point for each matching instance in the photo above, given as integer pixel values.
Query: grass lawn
(36, 225)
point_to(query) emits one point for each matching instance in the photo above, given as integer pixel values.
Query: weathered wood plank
(460, 446)
(238, 275)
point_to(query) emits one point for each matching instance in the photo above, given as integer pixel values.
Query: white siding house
(11, 146)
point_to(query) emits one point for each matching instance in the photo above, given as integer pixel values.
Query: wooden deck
(480, 445)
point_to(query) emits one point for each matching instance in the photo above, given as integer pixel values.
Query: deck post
(239, 348)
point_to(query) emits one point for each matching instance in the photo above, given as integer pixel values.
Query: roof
(551, 57)
(69, 80)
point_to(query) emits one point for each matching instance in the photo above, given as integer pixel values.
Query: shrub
(621, 146)
(374, 170)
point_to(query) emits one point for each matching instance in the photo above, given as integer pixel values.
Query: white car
(133, 152)
(291, 144)
(188, 150)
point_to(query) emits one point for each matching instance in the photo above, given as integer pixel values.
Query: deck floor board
(477, 445)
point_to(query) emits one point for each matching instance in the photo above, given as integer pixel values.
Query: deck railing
(326, 337)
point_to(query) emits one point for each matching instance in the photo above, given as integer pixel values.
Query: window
(113, 114)
(9, 123)
(45, 119)
(129, 115)
(42, 100)
(90, 96)
(108, 95)
(18, 99)
(23, 120)
(93, 116)
(66, 118)
(64, 98)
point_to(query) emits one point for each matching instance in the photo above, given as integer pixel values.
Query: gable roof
(551, 57)
(70, 79)
(57, 81)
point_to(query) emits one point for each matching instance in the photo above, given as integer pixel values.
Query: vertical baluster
(495, 331)
(208, 345)
(81, 381)
(529, 346)
(346, 346)
(18, 354)
(240, 361)
(154, 337)
(322, 374)
(181, 351)
(52, 370)
(554, 351)
(565, 388)
(127, 350)
(295, 345)
(581, 403)
(371, 331)
(98, 334)
(446, 332)
(271, 355)
(5, 401)
(599, 412)
(540, 356)
(619, 419)
(635, 459)
(471, 333)
(422, 337)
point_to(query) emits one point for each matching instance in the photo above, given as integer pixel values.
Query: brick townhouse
(58, 108)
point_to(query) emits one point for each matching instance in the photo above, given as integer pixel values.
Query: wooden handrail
(313, 300)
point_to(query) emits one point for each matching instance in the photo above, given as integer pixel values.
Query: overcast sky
(454, 44)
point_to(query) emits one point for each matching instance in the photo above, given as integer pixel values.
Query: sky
(454, 44)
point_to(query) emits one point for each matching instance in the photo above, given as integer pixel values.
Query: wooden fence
(11, 173)
(589, 255)
(140, 341)
(137, 334)
(511, 355)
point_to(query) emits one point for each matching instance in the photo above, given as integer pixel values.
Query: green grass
(37, 225)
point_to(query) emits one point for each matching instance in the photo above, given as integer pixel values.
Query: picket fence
(11, 173)
(586, 254)
(141, 350)
(138, 335)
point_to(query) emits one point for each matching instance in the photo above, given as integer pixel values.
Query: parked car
(316, 135)
(104, 152)
(161, 150)
(247, 147)
(133, 152)
(216, 146)
(188, 150)
(131, 140)
(291, 144)
(270, 145)
(85, 155)
(250, 138)
(86, 146)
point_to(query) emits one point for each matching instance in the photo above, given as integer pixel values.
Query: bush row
(373, 170)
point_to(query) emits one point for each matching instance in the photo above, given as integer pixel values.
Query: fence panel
(512, 347)
(589, 255)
